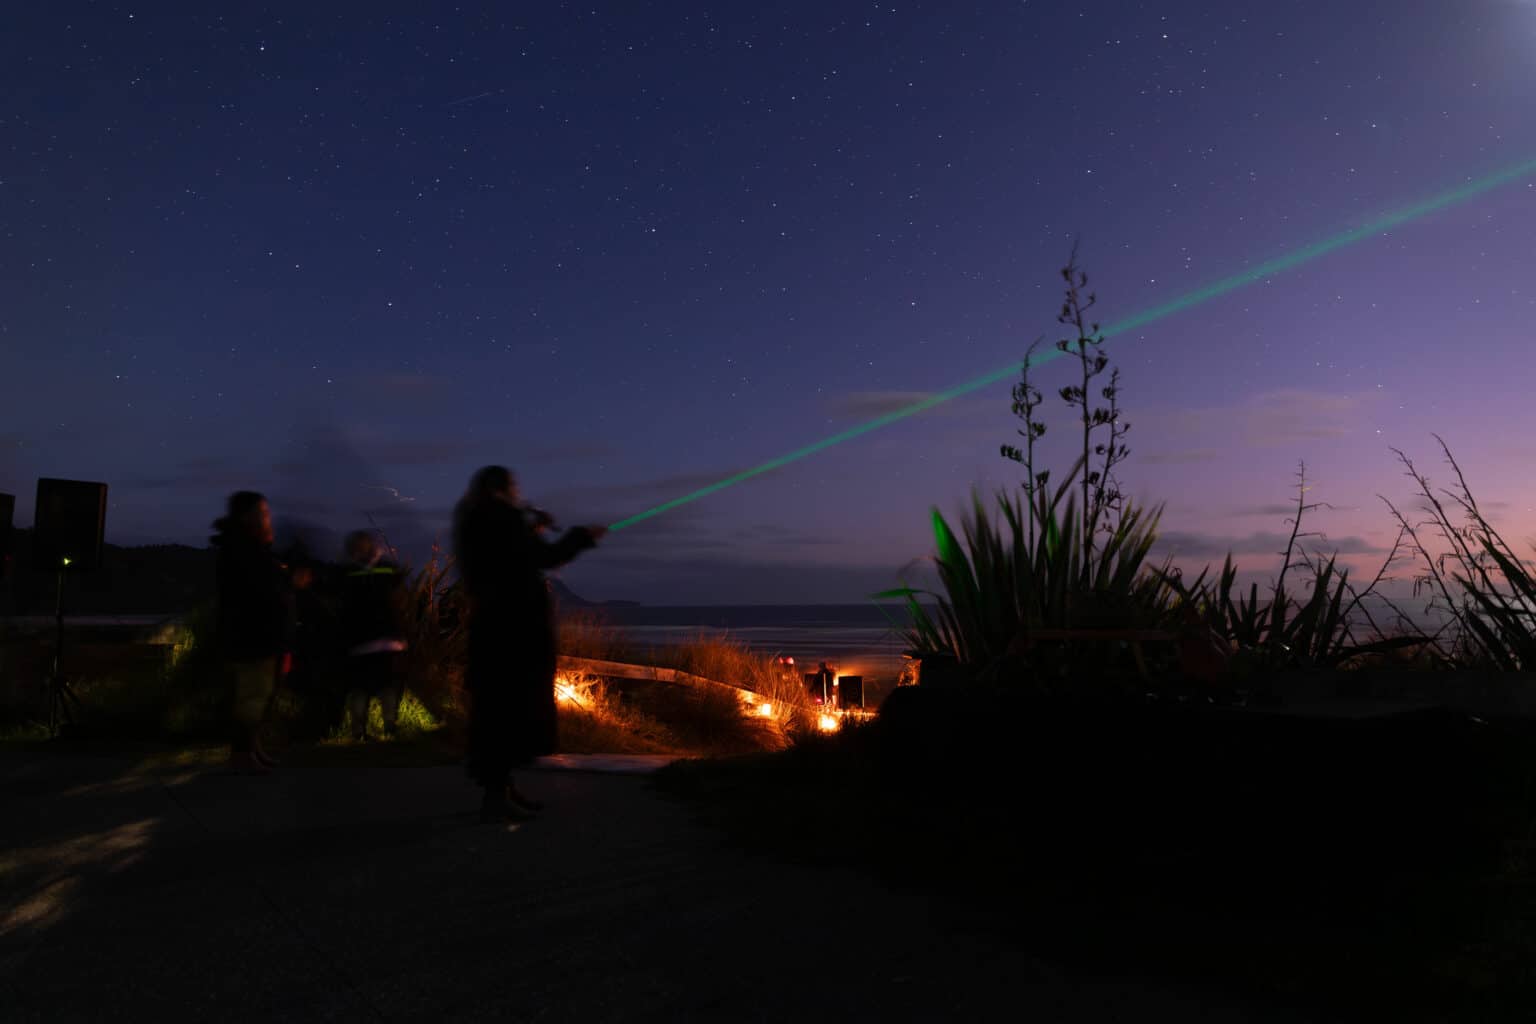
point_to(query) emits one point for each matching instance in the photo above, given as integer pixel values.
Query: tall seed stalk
(1026, 399)
(1100, 493)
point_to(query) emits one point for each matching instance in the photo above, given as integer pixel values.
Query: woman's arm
(547, 555)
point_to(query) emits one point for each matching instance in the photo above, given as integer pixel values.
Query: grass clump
(594, 718)
(731, 662)
(586, 633)
(1487, 589)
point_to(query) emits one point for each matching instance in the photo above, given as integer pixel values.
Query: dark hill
(143, 580)
(131, 581)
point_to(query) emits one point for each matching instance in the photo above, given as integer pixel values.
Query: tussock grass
(1475, 575)
(587, 633)
(731, 662)
(595, 719)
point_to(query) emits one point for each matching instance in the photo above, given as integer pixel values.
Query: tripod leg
(63, 705)
(70, 703)
(58, 711)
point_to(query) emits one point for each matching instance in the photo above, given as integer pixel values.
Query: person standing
(314, 672)
(825, 680)
(512, 648)
(372, 633)
(255, 622)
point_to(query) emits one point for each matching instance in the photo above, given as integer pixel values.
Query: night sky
(347, 253)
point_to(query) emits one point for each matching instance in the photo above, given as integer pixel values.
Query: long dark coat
(511, 671)
(255, 601)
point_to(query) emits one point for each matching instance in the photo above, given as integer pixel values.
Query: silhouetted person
(372, 632)
(511, 674)
(314, 672)
(254, 624)
(824, 681)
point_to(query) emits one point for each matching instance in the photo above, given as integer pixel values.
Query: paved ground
(364, 892)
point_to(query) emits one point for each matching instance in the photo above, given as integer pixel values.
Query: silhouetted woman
(511, 674)
(255, 622)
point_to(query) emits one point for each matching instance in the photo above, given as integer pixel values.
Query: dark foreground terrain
(355, 888)
(1368, 859)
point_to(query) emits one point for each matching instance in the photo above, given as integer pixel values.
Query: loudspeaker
(850, 691)
(7, 534)
(69, 526)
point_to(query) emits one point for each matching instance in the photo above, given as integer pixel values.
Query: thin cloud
(869, 404)
(672, 486)
(1269, 511)
(746, 581)
(1283, 416)
(1181, 457)
(1201, 545)
(201, 474)
(326, 455)
(400, 386)
(774, 533)
(571, 451)
(655, 538)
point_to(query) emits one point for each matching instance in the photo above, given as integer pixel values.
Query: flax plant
(997, 586)
(1042, 564)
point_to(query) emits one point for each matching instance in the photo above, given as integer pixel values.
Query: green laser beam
(1278, 265)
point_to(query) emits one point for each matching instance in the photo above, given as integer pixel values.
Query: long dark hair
(484, 486)
(237, 509)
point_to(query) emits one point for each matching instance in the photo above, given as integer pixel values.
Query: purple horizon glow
(631, 253)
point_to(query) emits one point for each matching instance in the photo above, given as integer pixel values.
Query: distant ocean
(862, 639)
(855, 639)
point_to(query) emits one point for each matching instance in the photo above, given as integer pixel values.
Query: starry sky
(347, 253)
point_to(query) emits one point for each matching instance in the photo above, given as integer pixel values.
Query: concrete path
(365, 892)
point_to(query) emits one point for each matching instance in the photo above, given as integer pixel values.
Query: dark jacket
(371, 604)
(502, 559)
(255, 601)
(315, 633)
(511, 642)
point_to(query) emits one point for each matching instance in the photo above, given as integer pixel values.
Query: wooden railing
(650, 673)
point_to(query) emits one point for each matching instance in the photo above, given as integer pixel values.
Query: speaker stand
(63, 704)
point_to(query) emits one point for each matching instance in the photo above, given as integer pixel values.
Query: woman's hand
(596, 532)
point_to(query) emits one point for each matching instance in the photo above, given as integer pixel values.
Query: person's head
(489, 485)
(493, 483)
(361, 547)
(247, 513)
